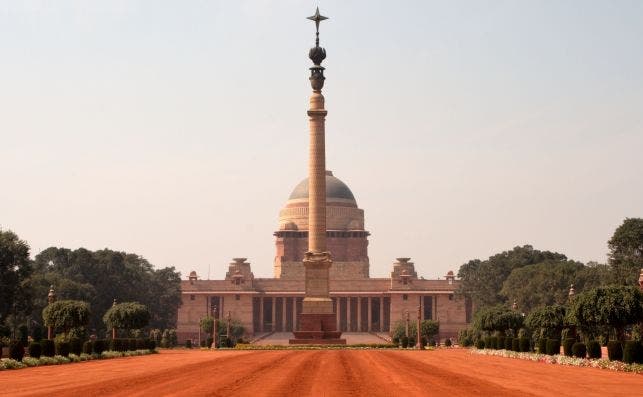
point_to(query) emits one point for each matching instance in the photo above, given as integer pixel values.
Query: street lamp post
(228, 318)
(51, 298)
(419, 326)
(214, 328)
(407, 324)
(114, 328)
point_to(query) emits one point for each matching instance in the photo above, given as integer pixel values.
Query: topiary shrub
(35, 349)
(150, 344)
(632, 352)
(188, 344)
(99, 346)
(524, 344)
(448, 342)
(405, 341)
(480, 344)
(88, 347)
(501, 343)
(209, 342)
(63, 348)
(515, 344)
(594, 349)
(579, 350)
(75, 346)
(48, 347)
(553, 346)
(16, 350)
(508, 342)
(411, 341)
(542, 346)
(615, 350)
(434, 343)
(567, 346)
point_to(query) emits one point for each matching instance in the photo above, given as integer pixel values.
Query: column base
(317, 329)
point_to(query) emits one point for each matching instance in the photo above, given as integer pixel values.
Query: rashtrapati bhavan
(360, 303)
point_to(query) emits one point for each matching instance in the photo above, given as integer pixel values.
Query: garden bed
(7, 363)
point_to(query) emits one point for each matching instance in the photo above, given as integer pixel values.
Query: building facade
(362, 303)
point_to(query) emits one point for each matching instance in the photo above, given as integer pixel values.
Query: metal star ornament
(317, 18)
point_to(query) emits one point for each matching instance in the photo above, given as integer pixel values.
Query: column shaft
(369, 315)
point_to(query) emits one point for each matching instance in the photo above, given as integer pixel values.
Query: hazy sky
(177, 129)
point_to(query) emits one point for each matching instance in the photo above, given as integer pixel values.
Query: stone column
(261, 322)
(283, 314)
(359, 314)
(381, 314)
(369, 315)
(348, 313)
(337, 312)
(274, 314)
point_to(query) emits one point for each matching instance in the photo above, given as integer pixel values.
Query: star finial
(317, 18)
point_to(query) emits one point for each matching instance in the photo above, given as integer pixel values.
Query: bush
(480, 344)
(141, 344)
(48, 347)
(594, 349)
(150, 344)
(63, 348)
(423, 341)
(524, 344)
(131, 344)
(99, 346)
(553, 346)
(631, 352)
(16, 350)
(579, 350)
(208, 342)
(405, 341)
(515, 345)
(411, 341)
(493, 342)
(448, 342)
(434, 343)
(501, 343)
(35, 350)
(614, 350)
(88, 347)
(508, 342)
(542, 346)
(188, 344)
(567, 346)
(75, 346)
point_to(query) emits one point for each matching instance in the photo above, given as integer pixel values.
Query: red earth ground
(444, 372)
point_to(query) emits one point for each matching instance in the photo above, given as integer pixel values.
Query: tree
(127, 315)
(543, 284)
(207, 324)
(626, 251)
(612, 306)
(66, 315)
(483, 280)
(547, 321)
(429, 328)
(14, 270)
(497, 318)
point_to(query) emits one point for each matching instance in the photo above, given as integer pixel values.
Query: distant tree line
(94, 277)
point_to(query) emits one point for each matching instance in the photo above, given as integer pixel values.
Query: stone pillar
(283, 314)
(274, 314)
(261, 322)
(381, 314)
(348, 313)
(359, 314)
(369, 316)
(337, 312)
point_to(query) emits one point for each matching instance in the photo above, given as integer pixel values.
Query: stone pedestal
(318, 321)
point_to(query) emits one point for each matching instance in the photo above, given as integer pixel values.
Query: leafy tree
(626, 251)
(497, 318)
(483, 280)
(14, 270)
(613, 306)
(429, 328)
(545, 283)
(127, 315)
(66, 315)
(547, 321)
(207, 324)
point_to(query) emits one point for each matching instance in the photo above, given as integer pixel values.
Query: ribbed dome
(335, 188)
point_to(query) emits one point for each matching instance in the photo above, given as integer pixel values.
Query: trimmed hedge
(188, 344)
(632, 352)
(16, 350)
(524, 344)
(228, 342)
(141, 344)
(63, 349)
(35, 349)
(579, 350)
(99, 346)
(151, 344)
(594, 349)
(404, 341)
(615, 350)
(48, 347)
(448, 342)
(480, 344)
(542, 346)
(75, 346)
(88, 347)
(515, 344)
(553, 346)
(508, 342)
(567, 346)
(501, 343)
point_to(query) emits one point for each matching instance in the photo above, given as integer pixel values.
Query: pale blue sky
(177, 129)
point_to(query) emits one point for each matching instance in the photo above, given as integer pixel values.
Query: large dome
(335, 189)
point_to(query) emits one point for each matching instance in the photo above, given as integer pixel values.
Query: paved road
(317, 373)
